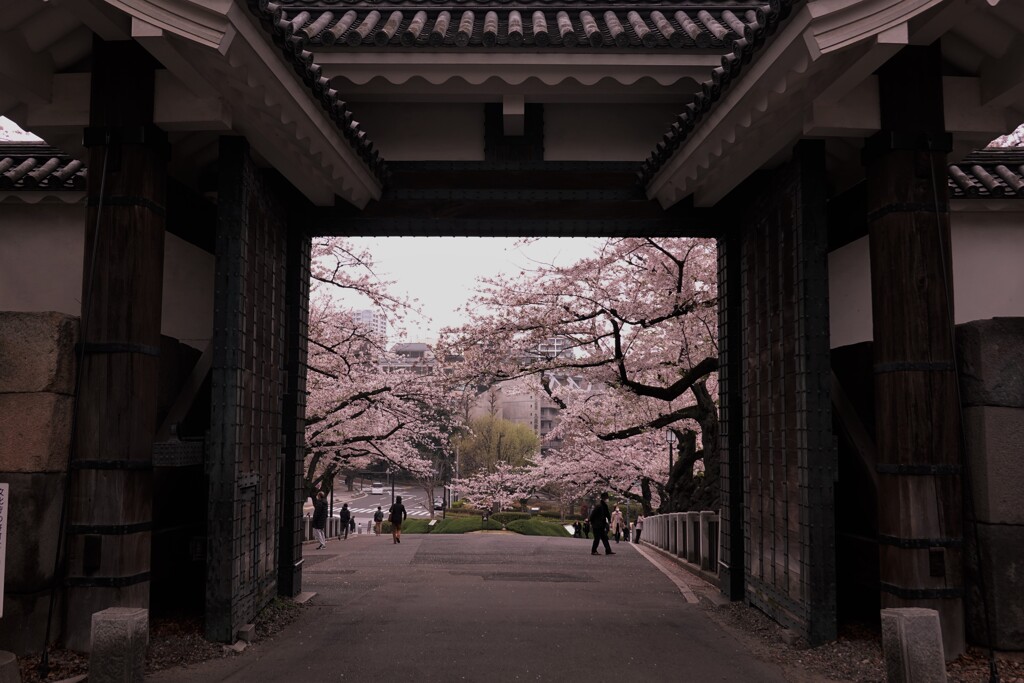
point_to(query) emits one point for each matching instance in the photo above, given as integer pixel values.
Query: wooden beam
(187, 396)
(860, 438)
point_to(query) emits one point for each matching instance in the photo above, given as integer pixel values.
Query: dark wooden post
(293, 419)
(110, 515)
(730, 398)
(916, 411)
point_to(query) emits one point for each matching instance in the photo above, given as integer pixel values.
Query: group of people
(602, 521)
(396, 515)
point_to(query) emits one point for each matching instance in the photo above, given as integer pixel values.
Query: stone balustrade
(692, 537)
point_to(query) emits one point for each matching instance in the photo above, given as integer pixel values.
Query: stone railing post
(120, 636)
(912, 645)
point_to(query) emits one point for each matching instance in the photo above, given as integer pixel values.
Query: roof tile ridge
(285, 34)
(762, 25)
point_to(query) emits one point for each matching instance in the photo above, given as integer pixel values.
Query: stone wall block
(35, 432)
(31, 548)
(991, 357)
(37, 352)
(994, 436)
(1003, 564)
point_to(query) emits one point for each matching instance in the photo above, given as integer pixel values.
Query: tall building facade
(373, 321)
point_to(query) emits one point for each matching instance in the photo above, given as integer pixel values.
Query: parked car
(439, 503)
(377, 488)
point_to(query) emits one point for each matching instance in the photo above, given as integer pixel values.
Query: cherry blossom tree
(637, 326)
(505, 485)
(358, 415)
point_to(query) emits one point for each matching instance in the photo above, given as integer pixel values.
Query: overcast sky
(442, 271)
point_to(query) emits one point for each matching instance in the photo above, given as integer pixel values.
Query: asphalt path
(491, 607)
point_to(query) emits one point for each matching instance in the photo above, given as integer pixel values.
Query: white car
(377, 488)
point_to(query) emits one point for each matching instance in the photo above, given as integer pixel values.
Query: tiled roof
(578, 24)
(741, 51)
(989, 172)
(37, 166)
(310, 73)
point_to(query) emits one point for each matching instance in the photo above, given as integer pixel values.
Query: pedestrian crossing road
(359, 512)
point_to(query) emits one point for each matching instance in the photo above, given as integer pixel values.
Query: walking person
(396, 516)
(345, 517)
(600, 518)
(639, 527)
(618, 525)
(320, 519)
(378, 519)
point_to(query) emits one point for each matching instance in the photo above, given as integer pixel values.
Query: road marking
(683, 587)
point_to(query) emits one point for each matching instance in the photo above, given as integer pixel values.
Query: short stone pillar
(706, 519)
(120, 636)
(671, 545)
(912, 645)
(693, 537)
(681, 535)
(9, 671)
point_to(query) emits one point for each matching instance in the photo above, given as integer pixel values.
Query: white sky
(9, 130)
(441, 272)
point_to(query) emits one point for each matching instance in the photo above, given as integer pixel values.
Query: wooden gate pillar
(916, 409)
(730, 410)
(110, 514)
(293, 417)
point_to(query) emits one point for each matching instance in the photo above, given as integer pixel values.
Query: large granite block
(35, 432)
(23, 626)
(994, 437)
(1002, 561)
(32, 531)
(37, 352)
(991, 356)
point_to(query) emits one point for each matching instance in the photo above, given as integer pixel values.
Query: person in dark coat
(320, 519)
(396, 516)
(600, 519)
(586, 528)
(345, 517)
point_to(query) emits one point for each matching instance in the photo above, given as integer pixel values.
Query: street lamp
(671, 438)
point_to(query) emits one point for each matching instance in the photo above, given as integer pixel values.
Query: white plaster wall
(41, 260)
(188, 292)
(988, 271)
(572, 131)
(849, 294)
(453, 132)
(988, 263)
(41, 256)
(604, 132)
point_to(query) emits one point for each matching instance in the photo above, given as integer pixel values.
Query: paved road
(490, 607)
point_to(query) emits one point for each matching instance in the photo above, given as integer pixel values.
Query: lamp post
(671, 438)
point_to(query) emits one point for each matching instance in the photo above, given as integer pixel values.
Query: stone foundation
(992, 385)
(36, 386)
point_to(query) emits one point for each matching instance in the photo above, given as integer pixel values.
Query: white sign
(5, 499)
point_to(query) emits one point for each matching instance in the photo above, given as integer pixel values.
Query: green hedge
(537, 527)
(519, 522)
(506, 517)
(463, 525)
